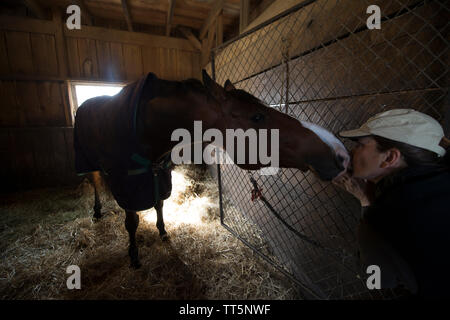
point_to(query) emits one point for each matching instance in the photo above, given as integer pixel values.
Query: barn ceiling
(163, 17)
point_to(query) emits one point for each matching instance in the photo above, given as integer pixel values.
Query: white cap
(403, 125)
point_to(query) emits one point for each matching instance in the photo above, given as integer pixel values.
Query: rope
(336, 254)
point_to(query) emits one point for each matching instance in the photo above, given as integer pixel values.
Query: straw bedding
(44, 231)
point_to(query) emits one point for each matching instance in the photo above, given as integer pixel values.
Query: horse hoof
(164, 237)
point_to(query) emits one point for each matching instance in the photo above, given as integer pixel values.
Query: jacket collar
(407, 175)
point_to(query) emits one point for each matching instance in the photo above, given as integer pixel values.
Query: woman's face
(366, 159)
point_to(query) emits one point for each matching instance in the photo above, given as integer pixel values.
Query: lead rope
(335, 254)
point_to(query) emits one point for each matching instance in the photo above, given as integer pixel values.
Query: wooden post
(170, 17)
(244, 16)
(194, 41)
(60, 43)
(219, 31)
(34, 7)
(126, 13)
(215, 11)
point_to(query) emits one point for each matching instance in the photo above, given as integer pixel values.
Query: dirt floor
(42, 232)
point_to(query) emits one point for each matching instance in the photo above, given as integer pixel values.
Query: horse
(129, 138)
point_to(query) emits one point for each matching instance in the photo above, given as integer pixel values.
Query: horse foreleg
(96, 180)
(160, 220)
(131, 224)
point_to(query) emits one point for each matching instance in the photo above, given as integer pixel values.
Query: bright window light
(85, 92)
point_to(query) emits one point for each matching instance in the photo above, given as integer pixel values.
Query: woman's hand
(360, 188)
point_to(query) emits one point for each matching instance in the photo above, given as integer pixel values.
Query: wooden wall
(37, 59)
(340, 73)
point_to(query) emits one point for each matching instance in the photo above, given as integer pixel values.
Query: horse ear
(215, 89)
(228, 86)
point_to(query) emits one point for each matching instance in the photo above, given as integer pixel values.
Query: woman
(401, 175)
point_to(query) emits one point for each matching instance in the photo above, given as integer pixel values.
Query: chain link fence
(320, 63)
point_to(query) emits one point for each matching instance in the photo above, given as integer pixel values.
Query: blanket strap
(146, 164)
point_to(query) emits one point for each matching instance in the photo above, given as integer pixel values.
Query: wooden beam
(216, 9)
(170, 16)
(13, 23)
(60, 42)
(127, 37)
(207, 44)
(194, 41)
(35, 8)
(244, 15)
(219, 30)
(126, 13)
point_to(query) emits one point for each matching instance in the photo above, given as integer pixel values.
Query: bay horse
(128, 137)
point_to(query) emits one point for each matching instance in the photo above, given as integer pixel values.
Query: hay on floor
(44, 231)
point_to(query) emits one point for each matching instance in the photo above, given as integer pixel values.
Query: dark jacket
(412, 214)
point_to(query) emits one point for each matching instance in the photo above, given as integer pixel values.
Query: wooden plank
(58, 158)
(196, 68)
(151, 60)
(23, 160)
(193, 39)
(43, 148)
(68, 137)
(117, 61)
(184, 64)
(216, 8)
(44, 54)
(169, 64)
(308, 28)
(4, 65)
(68, 111)
(126, 37)
(331, 71)
(21, 62)
(275, 8)
(126, 13)
(219, 31)
(87, 53)
(207, 46)
(170, 16)
(9, 117)
(72, 58)
(35, 8)
(29, 104)
(15, 23)
(244, 15)
(51, 104)
(61, 47)
(104, 60)
(133, 61)
(6, 160)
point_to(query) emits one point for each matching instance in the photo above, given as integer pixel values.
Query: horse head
(302, 145)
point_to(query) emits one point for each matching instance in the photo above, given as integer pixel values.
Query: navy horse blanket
(105, 139)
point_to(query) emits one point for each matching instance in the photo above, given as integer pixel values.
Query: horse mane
(244, 96)
(197, 86)
(194, 85)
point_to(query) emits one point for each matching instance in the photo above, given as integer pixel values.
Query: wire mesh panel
(319, 62)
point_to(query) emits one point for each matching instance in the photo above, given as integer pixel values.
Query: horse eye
(258, 117)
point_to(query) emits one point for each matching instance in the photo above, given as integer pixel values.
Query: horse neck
(174, 107)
